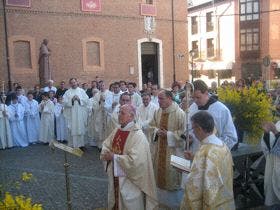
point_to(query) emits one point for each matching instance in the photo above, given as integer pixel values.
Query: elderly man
(50, 87)
(129, 165)
(75, 111)
(223, 121)
(209, 184)
(168, 124)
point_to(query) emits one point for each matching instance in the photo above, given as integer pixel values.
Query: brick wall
(119, 25)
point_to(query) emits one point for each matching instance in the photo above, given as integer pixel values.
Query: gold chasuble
(117, 148)
(209, 184)
(171, 119)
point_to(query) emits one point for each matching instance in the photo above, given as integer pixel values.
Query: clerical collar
(128, 126)
(209, 102)
(212, 139)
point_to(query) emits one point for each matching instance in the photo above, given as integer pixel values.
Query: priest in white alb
(100, 114)
(129, 166)
(16, 115)
(145, 113)
(5, 131)
(46, 108)
(75, 111)
(32, 118)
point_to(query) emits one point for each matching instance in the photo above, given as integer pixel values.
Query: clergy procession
(137, 132)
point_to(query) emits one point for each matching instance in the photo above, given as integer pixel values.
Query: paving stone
(88, 181)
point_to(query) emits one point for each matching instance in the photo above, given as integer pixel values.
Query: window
(22, 53)
(209, 21)
(195, 48)
(149, 1)
(249, 10)
(194, 25)
(210, 47)
(249, 39)
(93, 54)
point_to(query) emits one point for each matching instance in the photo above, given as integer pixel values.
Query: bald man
(129, 165)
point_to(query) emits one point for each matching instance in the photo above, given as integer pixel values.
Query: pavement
(88, 181)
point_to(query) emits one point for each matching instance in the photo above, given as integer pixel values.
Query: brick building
(258, 35)
(114, 41)
(233, 37)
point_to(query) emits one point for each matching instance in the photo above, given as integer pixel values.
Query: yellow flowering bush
(18, 202)
(249, 108)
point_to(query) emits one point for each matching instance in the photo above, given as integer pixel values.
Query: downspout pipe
(173, 41)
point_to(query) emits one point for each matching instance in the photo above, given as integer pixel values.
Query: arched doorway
(149, 58)
(150, 61)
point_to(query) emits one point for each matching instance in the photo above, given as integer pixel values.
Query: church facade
(132, 40)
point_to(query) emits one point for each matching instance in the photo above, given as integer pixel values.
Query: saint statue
(44, 67)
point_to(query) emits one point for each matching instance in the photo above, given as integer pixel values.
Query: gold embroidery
(161, 173)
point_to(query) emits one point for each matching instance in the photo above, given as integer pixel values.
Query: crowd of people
(136, 132)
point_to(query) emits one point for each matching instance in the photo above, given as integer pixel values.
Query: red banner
(148, 9)
(91, 5)
(19, 3)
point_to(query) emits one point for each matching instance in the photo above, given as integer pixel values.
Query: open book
(180, 163)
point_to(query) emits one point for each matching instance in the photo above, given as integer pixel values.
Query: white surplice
(223, 124)
(154, 99)
(16, 115)
(5, 131)
(76, 116)
(136, 99)
(61, 129)
(47, 121)
(32, 120)
(100, 116)
(91, 123)
(144, 116)
(110, 99)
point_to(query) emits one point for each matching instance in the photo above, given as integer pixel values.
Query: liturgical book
(180, 163)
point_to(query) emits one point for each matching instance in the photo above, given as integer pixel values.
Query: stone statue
(44, 67)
